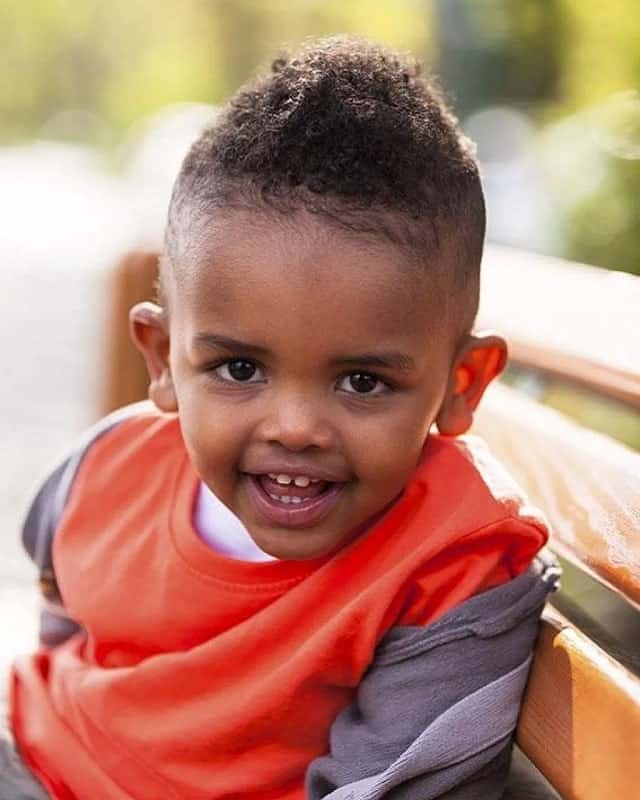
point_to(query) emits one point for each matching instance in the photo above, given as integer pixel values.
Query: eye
(363, 383)
(239, 370)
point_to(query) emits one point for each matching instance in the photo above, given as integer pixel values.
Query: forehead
(298, 273)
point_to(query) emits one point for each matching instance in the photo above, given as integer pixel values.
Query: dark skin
(294, 348)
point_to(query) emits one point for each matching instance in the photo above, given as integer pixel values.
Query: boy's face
(307, 365)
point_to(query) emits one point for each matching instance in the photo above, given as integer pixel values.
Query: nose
(296, 421)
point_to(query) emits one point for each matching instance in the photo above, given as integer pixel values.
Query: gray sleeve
(42, 520)
(436, 712)
(16, 781)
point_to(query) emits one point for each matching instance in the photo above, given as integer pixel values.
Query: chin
(295, 551)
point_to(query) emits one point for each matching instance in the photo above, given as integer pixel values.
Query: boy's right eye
(239, 370)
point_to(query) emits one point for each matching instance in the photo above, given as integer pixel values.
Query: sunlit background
(99, 101)
(94, 93)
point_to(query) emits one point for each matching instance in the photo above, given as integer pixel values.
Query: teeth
(282, 498)
(286, 499)
(300, 480)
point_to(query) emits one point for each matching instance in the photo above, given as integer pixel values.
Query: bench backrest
(580, 722)
(565, 319)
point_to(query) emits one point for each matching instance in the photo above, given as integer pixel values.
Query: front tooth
(302, 481)
(296, 500)
(285, 499)
(283, 479)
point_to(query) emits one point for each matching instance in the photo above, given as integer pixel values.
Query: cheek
(214, 435)
(389, 451)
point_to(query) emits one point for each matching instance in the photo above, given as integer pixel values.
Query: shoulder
(137, 432)
(476, 528)
(130, 424)
(475, 468)
(51, 500)
(471, 487)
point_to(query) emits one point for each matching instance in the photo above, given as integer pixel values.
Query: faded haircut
(352, 132)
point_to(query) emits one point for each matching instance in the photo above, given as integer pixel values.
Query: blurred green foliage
(123, 60)
(554, 59)
(498, 52)
(119, 61)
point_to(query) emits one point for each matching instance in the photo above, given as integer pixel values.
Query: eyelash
(215, 367)
(214, 371)
(386, 386)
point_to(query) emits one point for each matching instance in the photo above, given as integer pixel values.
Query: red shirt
(205, 677)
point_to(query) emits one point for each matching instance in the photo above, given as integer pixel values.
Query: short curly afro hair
(351, 132)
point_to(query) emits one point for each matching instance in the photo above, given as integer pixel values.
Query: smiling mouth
(291, 505)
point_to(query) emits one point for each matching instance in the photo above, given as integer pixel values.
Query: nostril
(296, 427)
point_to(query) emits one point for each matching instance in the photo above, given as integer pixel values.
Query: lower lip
(301, 516)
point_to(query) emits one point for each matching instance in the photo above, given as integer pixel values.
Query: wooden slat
(125, 374)
(600, 379)
(580, 722)
(587, 484)
(568, 319)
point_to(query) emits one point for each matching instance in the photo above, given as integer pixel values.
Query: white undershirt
(219, 527)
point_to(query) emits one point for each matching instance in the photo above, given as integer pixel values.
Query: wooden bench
(580, 723)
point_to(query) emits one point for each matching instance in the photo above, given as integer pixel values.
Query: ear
(479, 360)
(150, 333)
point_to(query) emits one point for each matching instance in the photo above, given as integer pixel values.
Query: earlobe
(149, 332)
(480, 359)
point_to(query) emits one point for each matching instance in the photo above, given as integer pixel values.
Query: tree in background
(496, 52)
(554, 59)
(124, 60)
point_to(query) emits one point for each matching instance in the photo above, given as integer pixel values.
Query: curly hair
(352, 132)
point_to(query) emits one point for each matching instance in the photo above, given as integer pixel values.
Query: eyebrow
(384, 360)
(391, 359)
(214, 341)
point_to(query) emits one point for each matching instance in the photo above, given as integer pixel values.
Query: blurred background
(96, 92)
(99, 101)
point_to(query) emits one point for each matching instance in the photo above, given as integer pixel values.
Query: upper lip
(299, 468)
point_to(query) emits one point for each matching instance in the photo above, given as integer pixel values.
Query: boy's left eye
(362, 383)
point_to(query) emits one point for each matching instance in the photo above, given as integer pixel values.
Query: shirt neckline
(222, 530)
(205, 562)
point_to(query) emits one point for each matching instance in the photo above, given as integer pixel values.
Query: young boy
(276, 582)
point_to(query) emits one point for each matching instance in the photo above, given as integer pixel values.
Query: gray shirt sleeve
(436, 712)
